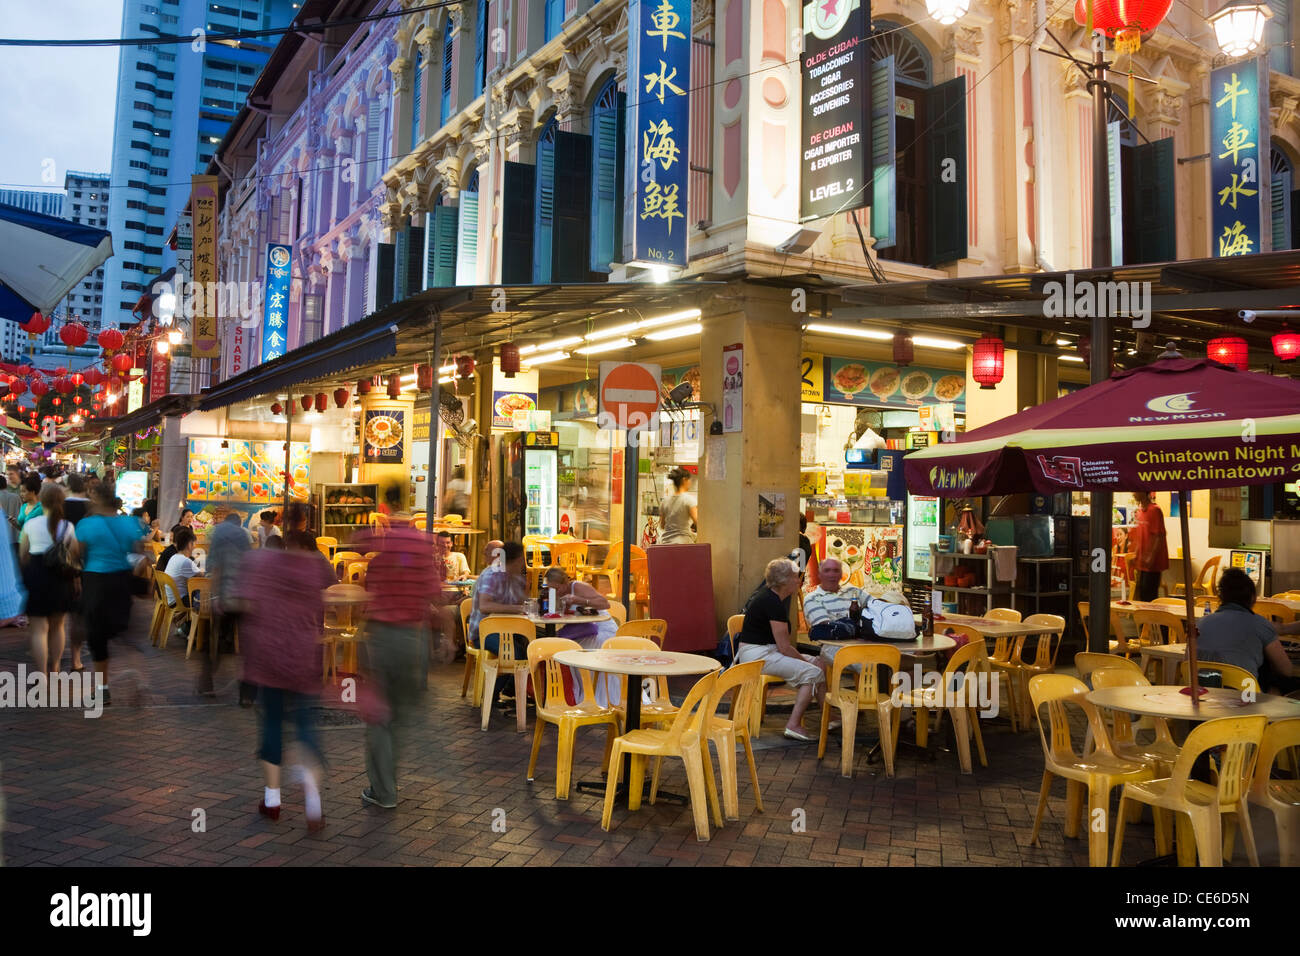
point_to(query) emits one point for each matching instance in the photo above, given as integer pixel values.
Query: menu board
(238, 471)
(856, 382)
(382, 436)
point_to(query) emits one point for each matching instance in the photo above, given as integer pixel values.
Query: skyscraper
(174, 103)
(44, 201)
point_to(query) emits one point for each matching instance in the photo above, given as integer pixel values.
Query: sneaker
(369, 796)
(271, 813)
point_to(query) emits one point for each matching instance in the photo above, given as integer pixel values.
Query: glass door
(542, 489)
(923, 516)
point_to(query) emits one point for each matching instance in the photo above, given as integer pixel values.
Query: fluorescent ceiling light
(552, 346)
(1064, 342)
(676, 332)
(446, 368)
(543, 359)
(1070, 358)
(446, 381)
(628, 328)
(926, 342)
(611, 332)
(606, 347)
(854, 331)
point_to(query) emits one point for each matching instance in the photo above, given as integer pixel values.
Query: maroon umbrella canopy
(1174, 424)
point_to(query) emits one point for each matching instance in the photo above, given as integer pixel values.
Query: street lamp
(175, 336)
(1239, 26)
(947, 12)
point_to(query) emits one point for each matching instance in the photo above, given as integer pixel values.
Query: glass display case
(344, 509)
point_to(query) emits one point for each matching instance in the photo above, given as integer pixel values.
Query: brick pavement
(123, 790)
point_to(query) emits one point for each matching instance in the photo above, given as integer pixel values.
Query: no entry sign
(629, 396)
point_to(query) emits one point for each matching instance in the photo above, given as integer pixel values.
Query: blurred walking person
(110, 543)
(75, 507)
(404, 580)
(283, 613)
(12, 594)
(227, 546)
(46, 577)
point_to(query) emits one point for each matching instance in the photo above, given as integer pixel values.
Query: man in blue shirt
(1234, 634)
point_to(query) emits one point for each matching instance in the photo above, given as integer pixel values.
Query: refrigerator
(531, 486)
(924, 520)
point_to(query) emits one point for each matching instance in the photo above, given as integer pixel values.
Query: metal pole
(435, 436)
(1184, 501)
(1101, 502)
(288, 438)
(630, 456)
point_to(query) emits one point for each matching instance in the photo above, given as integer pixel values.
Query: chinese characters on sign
(733, 381)
(659, 124)
(203, 215)
(1239, 181)
(836, 139)
(160, 375)
(275, 323)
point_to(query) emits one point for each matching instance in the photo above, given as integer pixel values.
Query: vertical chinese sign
(237, 351)
(275, 324)
(659, 65)
(160, 374)
(836, 73)
(203, 217)
(1239, 180)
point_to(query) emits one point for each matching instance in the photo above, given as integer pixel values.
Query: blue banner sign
(275, 320)
(1238, 178)
(659, 71)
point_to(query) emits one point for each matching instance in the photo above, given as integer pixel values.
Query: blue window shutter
(400, 246)
(554, 18)
(884, 213)
(467, 240)
(608, 145)
(544, 209)
(946, 111)
(430, 266)
(448, 48)
(571, 254)
(480, 47)
(417, 98)
(518, 194)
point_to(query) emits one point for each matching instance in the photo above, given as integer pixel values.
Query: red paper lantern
(305, 401)
(322, 401)
(394, 386)
(123, 361)
(39, 387)
(341, 397)
(64, 385)
(464, 365)
(77, 379)
(115, 384)
(58, 419)
(988, 362)
(56, 401)
(277, 409)
(364, 386)
(37, 324)
(509, 359)
(1286, 344)
(17, 386)
(1123, 20)
(1229, 350)
(904, 350)
(110, 340)
(76, 399)
(74, 335)
(424, 377)
(24, 370)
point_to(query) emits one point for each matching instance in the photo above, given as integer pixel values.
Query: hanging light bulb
(947, 12)
(175, 336)
(163, 346)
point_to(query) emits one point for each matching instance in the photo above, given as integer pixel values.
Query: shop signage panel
(812, 377)
(382, 436)
(506, 403)
(420, 423)
(733, 386)
(857, 382)
(238, 471)
(275, 318)
(160, 374)
(237, 351)
(203, 217)
(835, 133)
(1239, 179)
(134, 392)
(659, 61)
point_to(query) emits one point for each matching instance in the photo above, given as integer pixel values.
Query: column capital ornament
(401, 71)
(964, 43)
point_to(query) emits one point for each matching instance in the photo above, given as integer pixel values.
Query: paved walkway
(128, 787)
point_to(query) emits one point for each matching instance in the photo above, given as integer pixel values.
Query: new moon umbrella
(1173, 425)
(42, 258)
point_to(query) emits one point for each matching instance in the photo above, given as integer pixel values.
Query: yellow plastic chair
(355, 572)
(1120, 643)
(1274, 611)
(1098, 772)
(654, 628)
(615, 570)
(160, 610)
(173, 616)
(765, 683)
(535, 564)
(378, 521)
(1002, 660)
(741, 681)
(1234, 677)
(868, 694)
(1280, 797)
(1201, 805)
(200, 591)
(1085, 662)
(342, 559)
(591, 573)
(569, 556)
(553, 708)
(1047, 645)
(683, 738)
(1210, 570)
(472, 672)
(326, 545)
(1008, 614)
(659, 711)
(618, 612)
(1157, 628)
(340, 630)
(972, 660)
(507, 627)
(421, 522)
(1160, 753)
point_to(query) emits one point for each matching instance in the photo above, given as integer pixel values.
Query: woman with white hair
(765, 636)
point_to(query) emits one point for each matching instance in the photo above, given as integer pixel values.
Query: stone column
(173, 464)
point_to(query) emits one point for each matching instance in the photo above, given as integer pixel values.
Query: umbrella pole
(1184, 499)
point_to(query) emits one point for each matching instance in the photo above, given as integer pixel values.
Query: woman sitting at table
(765, 636)
(590, 634)
(1234, 634)
(500, 589)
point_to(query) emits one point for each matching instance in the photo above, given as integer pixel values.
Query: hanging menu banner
(275, 321)
(1239, 180)
(203, 216)
(659, 58)
(836, 135)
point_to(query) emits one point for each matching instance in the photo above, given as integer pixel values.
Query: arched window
(1280, 199)
(607, 147)
(912, 62)
(417, 99)
(448, 44)
(544, 204)
(554, 19)
(480, 47)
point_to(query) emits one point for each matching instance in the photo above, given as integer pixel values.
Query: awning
(42, 258)
(151, 414)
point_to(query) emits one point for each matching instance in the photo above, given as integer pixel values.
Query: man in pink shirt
(1152, 549)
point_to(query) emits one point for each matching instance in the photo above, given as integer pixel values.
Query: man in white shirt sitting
(826, 607)
(181, 566)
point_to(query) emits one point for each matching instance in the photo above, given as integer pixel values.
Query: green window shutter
(544, 231)
(945, 107)
(518, 196)
(443, 245)
(385, 256)
(607, 148)
(401, 247)
(1280, 207)
(884, 214)
(467, 243)
(414, 261)
(570, 253)
(429, 257)
(1149, 211)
